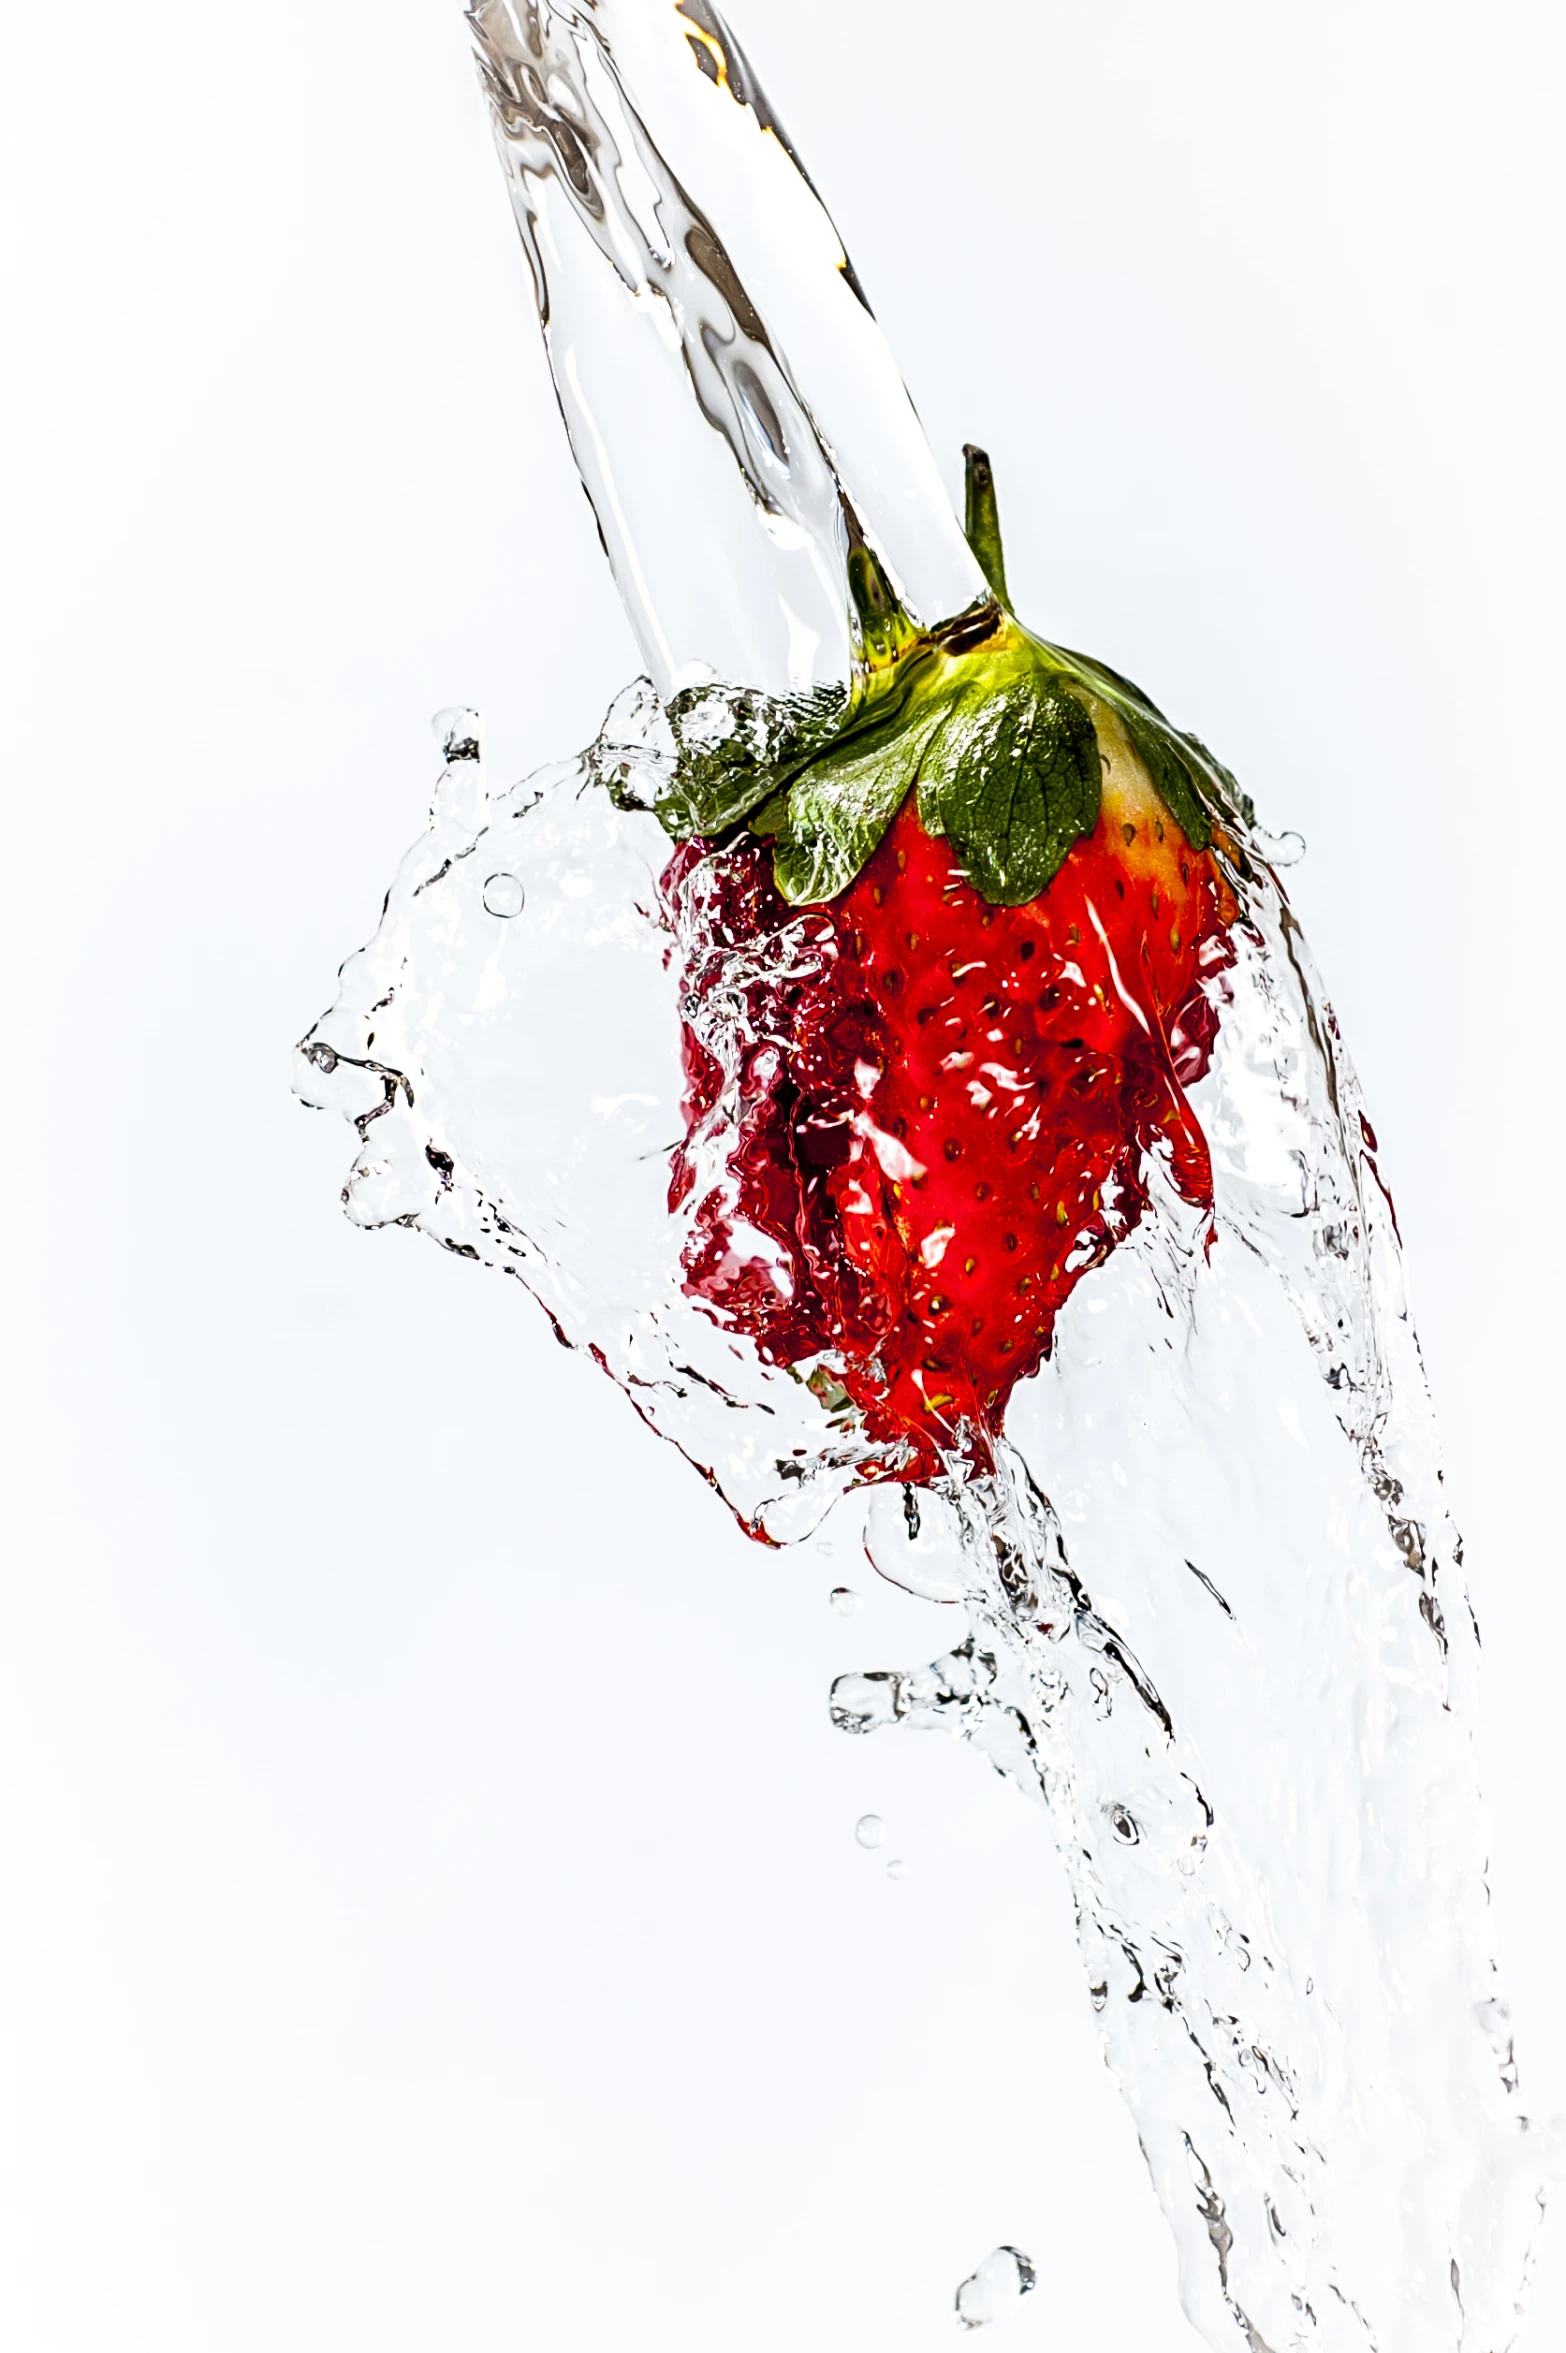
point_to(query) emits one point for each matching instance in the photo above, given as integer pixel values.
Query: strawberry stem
(981, 525)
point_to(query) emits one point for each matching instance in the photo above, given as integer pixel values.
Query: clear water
(697, 302)
(1207, 1608)
(996, 2289)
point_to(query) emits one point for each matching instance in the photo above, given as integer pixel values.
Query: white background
(429, 1915)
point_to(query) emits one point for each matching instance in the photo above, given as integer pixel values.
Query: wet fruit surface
(943, 1110)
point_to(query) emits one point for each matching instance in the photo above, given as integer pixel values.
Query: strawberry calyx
(1003, 737)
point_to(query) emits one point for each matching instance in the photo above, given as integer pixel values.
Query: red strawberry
(943, 1115)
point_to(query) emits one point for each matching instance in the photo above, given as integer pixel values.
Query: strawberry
(973, 932)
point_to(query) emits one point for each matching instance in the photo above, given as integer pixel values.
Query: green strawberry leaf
(1012, 778)
(732, 748)
(1238, 799)
(829, 821)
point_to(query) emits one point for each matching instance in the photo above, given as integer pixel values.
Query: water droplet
(1279, 849)
(458, 731)
(897, 1868)
(870, 1830)
(996, 2288)
(504, 895)
(322, 1056)
(914, 1538)
(1124, 1826)
(846, 1601)
(863, 1703)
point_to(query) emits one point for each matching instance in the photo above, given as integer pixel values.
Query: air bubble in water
(504, 895)
(996, 2288)
(870, 1830)
(846, 1601)
(897, 1868)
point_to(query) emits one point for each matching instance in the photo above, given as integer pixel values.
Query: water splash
(1211, 1605)
(1214, 1603)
